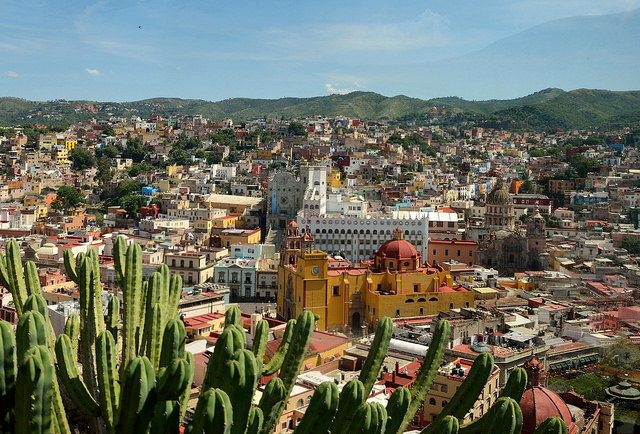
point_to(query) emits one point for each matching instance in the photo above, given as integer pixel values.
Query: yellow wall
(264, 154)
(229, 239)
(299, 289)
(337, 179)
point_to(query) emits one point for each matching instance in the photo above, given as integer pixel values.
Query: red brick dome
(397, 248)
(539, 403)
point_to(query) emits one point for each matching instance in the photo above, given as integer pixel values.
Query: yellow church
(347, 297)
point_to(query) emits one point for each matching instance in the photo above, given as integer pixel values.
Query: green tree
(297, 129)
(109, 131)
(82, 159)
(583, 165)
(131, 203)
(134, 150)
(105, 173)
(139, 168)
(108, 151)
(631, 245)
(67, 199)
(527, 187)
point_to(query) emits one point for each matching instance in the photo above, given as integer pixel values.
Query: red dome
(293, 224)
(539, 403)
(397, 249)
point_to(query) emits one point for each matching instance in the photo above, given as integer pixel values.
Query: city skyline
(116, 51)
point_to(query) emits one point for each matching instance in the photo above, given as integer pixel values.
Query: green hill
(549, 108)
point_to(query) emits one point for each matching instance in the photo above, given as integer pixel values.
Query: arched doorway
(355, 322)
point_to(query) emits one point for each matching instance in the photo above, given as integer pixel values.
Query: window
(300, 403)
(450, 305)
(444, 404)
(432, 401)
(416, 287)
(421, 311)
(397, 312)
(434, 252)
(234, 277)
(221, 277)
(470, 253)
(466, 304)
(444, 388)
(336, 290)
(446, 252)
(458, 253)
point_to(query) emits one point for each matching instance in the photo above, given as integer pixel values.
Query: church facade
(505, 246)
(352, 298)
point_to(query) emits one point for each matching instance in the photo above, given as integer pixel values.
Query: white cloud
(332, 90)
(92, 72)
(11, 74)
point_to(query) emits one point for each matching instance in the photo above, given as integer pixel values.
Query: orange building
(445, 250)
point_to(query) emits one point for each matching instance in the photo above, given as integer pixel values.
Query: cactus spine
(377, 353)
(321, 410)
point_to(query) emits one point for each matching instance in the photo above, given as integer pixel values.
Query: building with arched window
(346, 297)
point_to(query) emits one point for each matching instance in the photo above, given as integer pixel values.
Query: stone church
(505, 246)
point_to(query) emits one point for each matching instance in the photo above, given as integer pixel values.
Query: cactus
(516, 384)
(136, 396)
(12, 275)
(276, 361)
(467, 394)
(260, 339)
(72, 329)
(113, 317)
(504, 417)
(351, 397)
(321, 410)
(213, 415)
(173, 341)
(7, 374)
(370, 418)
(132, 295)
(552, 425)
(256, 419)
(427, 372)
(447, 425)
(273, 393)
(379, 347)
(68, 373)
(172, 380)
(34, 391)
(107, 377)
(305, 324)
(239, 382)
(233, 316)
(397, 407)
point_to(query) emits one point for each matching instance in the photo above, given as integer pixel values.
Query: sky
(132, 50)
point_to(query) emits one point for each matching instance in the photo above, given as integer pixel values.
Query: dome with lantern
(397, 254)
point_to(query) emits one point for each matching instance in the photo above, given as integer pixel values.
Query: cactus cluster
(134, 375)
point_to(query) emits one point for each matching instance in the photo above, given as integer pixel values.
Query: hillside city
(526, 241)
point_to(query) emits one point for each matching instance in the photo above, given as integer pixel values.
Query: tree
(105, 173)
(583, 165)
(109, 131)
(527, 187)
(131, 203)
(67, 198)
(108, 151)
(631, 245)
(82, 159)
(297, 129)
(134, 150)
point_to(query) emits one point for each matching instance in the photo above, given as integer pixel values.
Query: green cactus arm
(506, 417)
(68, 373)
(213, 414)
(321, 410)
(30, 331)
(8, 367)
(131, 294)
(351, 397)
(256, 419)
(107, 377)
(88, 332)
(233, 316)
(163, 418)
(273, 393)
(165, 288)
(4, 273)
(136, 397)
(228, 343)
(119, 260)
(174, 339)
(468, 392)
(239, 381)
(260, 339)
(516, 384)
(172, 380)
(175, 294)
(72, 329)
(370, 418)
(480, 425)
(427, 372)
(15, 282)
(377, 353)
(70, 266)
(552, 425)
(183, 401)
(397, 407)
(293, 360)
(112, 321)
(153, 335)
(139, 331)
(32, 280)
(276, 361)
(95, 304)
(34, 391)
(447, 425)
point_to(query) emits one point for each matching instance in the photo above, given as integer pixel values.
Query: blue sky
(130, 50)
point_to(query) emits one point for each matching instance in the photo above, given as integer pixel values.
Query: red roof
(539, 403)
(397, 249)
